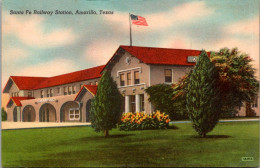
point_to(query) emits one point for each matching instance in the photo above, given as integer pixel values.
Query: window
(132, 103)
(74, 89)
(51, 92)
(96, 82)
(168, 75)
(29, 94)
(91, 83)
(58, 90)
(255, 103)
(70, 90)
(42, 94)
(142, 102)
(122, 80)
(48, 93)
(13, 95)
(136, 77)
(74, 114)
(65, 90)
(129, 78)
(17, 94)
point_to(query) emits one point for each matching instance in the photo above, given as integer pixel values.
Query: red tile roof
(27, 83)
(82, 75)
(91, 88)
(30, 83)
(166, 56)
(17, 100)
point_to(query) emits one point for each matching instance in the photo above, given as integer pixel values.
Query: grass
(179, 147)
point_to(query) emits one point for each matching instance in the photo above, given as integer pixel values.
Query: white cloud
(181, 42)
(100, 51)
(186, 12)
(30, 31)
(244, 27)
(13, 53)
(47, 69)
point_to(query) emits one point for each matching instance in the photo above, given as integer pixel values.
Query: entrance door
(88, 106)
(132, 103)
(47, 113)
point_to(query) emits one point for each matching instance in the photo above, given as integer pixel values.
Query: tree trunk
(106, 133)
(203, 135)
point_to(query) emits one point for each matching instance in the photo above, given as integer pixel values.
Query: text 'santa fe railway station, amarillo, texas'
(67, 97)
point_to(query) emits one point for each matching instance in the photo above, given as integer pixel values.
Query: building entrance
(29, 114)
(47, 113)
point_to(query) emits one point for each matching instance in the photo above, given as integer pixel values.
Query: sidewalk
(23, 125)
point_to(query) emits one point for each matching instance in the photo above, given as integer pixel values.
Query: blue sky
(42, 45)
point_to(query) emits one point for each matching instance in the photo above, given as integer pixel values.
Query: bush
(4, 114)
(141, 121)
(161, 96)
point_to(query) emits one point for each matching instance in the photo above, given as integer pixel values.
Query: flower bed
(141, 121)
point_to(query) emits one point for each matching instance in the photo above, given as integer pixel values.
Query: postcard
(142, 83)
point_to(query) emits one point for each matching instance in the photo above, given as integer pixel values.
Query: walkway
(24, 125)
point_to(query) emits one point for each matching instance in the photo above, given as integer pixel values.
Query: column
(137, 103)
(19, 114)
(126, 104)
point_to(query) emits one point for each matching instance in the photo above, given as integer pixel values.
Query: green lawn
(82, 147)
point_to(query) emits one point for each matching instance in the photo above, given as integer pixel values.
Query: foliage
(161, 98)
(4, 114)
(203, 95)
(105, 108)
(237, 79)
(141, 121)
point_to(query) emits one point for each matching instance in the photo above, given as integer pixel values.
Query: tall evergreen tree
(106, 106)
(203, 95)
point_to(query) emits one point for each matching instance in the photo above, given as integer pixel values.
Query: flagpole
(130, 29)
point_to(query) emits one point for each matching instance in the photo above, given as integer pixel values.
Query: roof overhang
(17, 101)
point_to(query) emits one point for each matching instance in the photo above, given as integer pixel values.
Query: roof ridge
(30, 76)
(161, 48)
(58, 75)
(76, 71)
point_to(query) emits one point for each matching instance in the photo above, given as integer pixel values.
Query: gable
(92, 89)
(152, 55)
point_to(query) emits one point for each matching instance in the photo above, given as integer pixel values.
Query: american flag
(138, 20)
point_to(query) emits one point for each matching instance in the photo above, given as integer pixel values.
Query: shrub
(4, 114)
(141, 121)
(160, 96)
